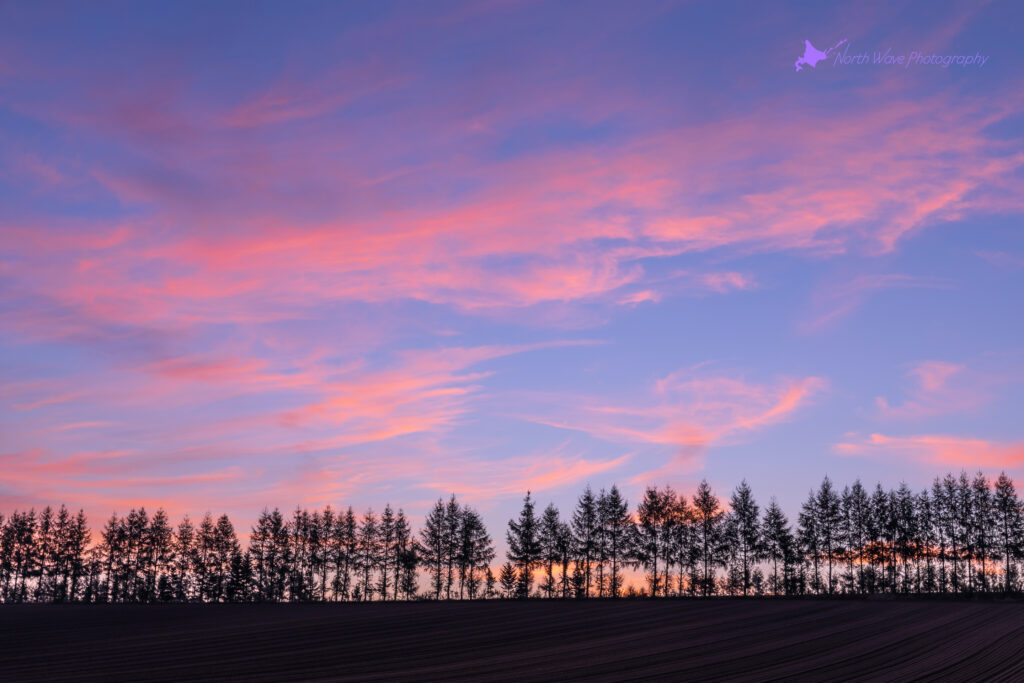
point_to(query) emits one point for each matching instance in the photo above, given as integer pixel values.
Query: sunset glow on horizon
(255, 257)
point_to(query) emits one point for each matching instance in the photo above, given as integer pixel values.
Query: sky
(274, 254)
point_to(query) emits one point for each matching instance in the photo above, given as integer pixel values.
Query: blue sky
(254, 257)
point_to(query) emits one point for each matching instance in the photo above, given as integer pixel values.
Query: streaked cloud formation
(947, 451)
(390, 251)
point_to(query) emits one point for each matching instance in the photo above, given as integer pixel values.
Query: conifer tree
(960, 535)
(183, 554)
(452, 523)
(907, 530)
(409, 560)
(509, 579)
(369, 553)
(387, 550)
(652, 535)
(271, 556)
(474, 553)
(584, 528)
(744, 532)
(983, 524)
(549, 536)
(524, 547)
(564, 550)
(829, 528)
(204, 567)
(857, 512)
(710, 546)
(224, 549)
(112, 557)
(928, 541)
(433, 542)
(490, 584)
(326, 551)
(778, 541)
(346, 546)
(136, 525)
(1009, 528)
(809, 538)
(159, 538)
(45, 551)
(402, 545)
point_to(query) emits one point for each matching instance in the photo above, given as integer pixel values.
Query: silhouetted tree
(809, 538)
(345, 546)
(219, 560)
(963, 513)
(585, 534)
(300, 566)
(369, 554)
(387, 550)
(710, 545)
(509, 579)
(549, 537)
(828, 526)
(271, 556)
(45, 552)
(403, 546)
(239, 587)
(77, 549)
(408, 561)
(524, 547)
(907, 532)
(652, 536)
(475, 550)
(983, 528)
(183, 560)
(743, 530)
(159, 553)
(614, 527)
(325, 551)
(113, 558)
(927, 544)
(962, 534)
(490, 584)
(135, 526)
(857, 516)
(434, 544)
(1009, 528)
(778, 542)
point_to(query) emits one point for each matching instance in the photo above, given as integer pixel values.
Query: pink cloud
(934, 375)
(529, 233)
(1002, 259)
(938, 388)
(49, 400)
(412, 399)
(947, 451)
(289, 100)
(835, 301)
(512, 477)
(686, 413)
(639, 297)
(275, 204)
(724, 282)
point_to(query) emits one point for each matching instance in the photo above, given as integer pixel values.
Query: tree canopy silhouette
(961, 535)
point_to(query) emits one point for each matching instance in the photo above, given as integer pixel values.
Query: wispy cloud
(938, 449)
(831, 303)
(684, 413)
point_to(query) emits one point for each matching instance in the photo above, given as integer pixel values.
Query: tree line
(961, 535)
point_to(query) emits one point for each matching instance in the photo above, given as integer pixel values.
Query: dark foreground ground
(696, 640)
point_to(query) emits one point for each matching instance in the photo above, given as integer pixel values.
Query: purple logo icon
(813, 55)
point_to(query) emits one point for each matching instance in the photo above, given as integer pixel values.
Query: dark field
(697, 640)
